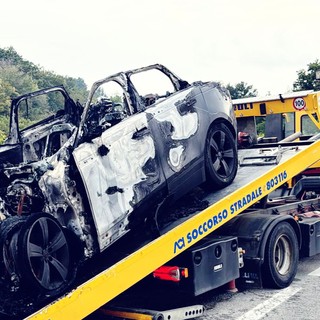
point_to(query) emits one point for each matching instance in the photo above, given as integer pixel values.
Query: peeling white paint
(184, 126)
(121, 167)
(175, 157)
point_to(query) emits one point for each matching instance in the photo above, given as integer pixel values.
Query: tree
(307, 78)
(6, 91)
(77, 89)
(242, 90)
(21, 82)
(38, 77)
(19, 76)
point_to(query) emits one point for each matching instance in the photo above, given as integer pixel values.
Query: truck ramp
(252, 184)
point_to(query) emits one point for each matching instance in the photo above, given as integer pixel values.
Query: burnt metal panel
(118, 180)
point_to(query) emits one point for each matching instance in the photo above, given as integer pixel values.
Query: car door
(120, 170)
(174, 107)
(176, 126)
(41, 122)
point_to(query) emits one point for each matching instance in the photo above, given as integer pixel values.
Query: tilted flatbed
(252, 184)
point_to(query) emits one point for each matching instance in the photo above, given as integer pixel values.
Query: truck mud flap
(250, 274)
(310, 230)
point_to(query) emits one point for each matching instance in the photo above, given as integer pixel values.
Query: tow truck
(294, 115)
(267, 218)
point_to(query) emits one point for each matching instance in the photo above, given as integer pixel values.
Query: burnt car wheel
(8, 247)
(221, 156)
(44, 253)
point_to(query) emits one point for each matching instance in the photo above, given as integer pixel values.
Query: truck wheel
(281, 257)
(221, 156)
(44, 253)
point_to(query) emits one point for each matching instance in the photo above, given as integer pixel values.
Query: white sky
(261, 42)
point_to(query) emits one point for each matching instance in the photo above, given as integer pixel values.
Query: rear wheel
(221, 156)
(281, 257)
(44, 253)
(8, 248)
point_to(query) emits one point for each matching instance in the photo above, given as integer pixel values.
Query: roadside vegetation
(19, 76)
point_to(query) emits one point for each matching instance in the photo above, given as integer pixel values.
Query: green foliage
(20, 81)
(116, 99)
(261, 126)
(4, 128)
(2, 136)
(242, 90)
(6, 91)
(307, 78)
(19, 76)
(77, 89)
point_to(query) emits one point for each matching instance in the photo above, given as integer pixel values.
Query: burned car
(84, 177)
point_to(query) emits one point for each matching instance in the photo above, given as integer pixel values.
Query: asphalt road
(298, 301)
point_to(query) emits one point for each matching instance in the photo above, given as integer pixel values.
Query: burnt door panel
(120, 170)
(176, 130)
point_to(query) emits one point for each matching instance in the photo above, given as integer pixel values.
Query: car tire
(221, 157)
(45, 257)
(8, 240)
(281, 257)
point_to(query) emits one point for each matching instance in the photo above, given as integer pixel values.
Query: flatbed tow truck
(292, 114)
(251, 216)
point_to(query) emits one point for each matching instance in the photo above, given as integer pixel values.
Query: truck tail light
(170, 273)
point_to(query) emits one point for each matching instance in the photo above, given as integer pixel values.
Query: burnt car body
(89, 175)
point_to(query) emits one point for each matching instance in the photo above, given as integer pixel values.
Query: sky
(260, 42)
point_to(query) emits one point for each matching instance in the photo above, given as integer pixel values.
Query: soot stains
(103, 150)
(113, 190)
